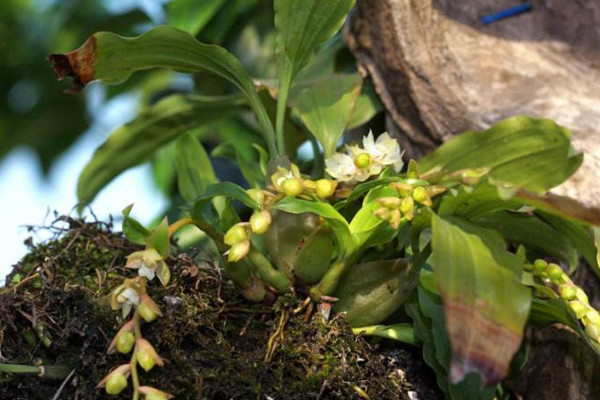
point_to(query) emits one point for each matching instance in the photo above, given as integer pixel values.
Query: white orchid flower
(128, 298)
(342, 168)
(149, 264)
(385, 151)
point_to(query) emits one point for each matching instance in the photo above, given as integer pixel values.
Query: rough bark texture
(440, 71)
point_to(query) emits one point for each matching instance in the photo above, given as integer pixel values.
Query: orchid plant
(466, 242)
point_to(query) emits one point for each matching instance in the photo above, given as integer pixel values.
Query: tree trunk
(440, 71)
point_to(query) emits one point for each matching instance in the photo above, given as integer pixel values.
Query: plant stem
(175, 226)
(331, 279)
(267, 272)
(45, 371)
(134, 374)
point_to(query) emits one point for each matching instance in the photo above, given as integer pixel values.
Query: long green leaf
(138, 140)
(486, 306)
(112, 59)
(193, 166)
(532, 153)
(325, 107)
(192, 15)
(302, 25)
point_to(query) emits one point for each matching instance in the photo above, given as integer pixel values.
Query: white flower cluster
(358, 164)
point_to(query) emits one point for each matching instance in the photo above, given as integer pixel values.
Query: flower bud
(578, 308)
(567, 292)
(581, 296)
(593, 331)
(389, 202)
(395, 218)
(238, 251)
(292, 187)
(363, 160)
(260, 222)
(258, 195)
(555, 272)
(237, 234)
(403, 189)
(540, 265)
(148, 309)
(146, 356)
(407, 207)
(413, 170)
(420, 195)
(125, 341)
(592, 316)
(309, 185)
(116, 380)
(154, 394)
(325, 188)
(383, 213)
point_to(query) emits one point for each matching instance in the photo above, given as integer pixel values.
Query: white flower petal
(147, 271)
(341, 167)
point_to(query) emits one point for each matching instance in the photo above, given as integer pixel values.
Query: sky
(27, 198)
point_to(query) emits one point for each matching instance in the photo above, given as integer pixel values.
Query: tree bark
(440, 71)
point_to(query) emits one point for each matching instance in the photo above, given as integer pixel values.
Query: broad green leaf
(192, 15)
(132, 229)
(230, 190)
(159, 239)
(532, 153)
(469, 203)
(486, 306)
(314, 257)
(193, 166)
(138, 140)
(325, 106)
(339, 225)
(367, 105)
(529, 230)
(368, 230)
(112, 59)
(401, 332)
(302, 25)
(371, 292)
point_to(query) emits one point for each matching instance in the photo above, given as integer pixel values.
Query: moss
(214, 342)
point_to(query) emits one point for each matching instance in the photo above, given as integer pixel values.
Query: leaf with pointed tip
(535, 154)
(193, 167)
(112, 59)
(486, 306)
(133, 229)
(159, 239)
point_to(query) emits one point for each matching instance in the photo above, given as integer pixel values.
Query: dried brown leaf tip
(77, 64)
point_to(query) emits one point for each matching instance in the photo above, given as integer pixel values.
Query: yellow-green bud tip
(363, 160)
(540, 265)
(238, 251)
(237, 234)
(115, 384)
(578, 308)
(258, 195)
(292, 187)
(325, 188)
(260, 222)
(125, 342)
(555, 272)
(567, 292)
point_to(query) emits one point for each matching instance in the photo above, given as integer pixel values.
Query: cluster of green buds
(291, 183)
(394, 208)
(132, 295)
(554, 276)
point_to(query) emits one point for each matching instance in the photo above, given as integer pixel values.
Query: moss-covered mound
(215, 344)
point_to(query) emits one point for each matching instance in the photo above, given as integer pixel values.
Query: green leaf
(367, 105)
(132, 229)
(230, 190)
(159, 239)
(532, 153)
(368, 230)
(192, 15)
(325, 106)
(371, 292)
(138, 140)
(302, 25)
(486, 306)
(112, 59)
(193, 166)
(469, 203)
(401, 332)
(339, 225)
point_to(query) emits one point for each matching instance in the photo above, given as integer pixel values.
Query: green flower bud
(125, 342)
(403, 189)
(593, 317)
(363, 160)
(395, 218)
(237, 234)
(325, 188)
(153, 394)
(420, 195)
(413, 170)
(407, 207)
(555, 272)
(567, 292)
(260, 222)
(115, 384)
(258, 195)
(578, 308)
(156, 396)
(238, 251)
(146, 356)
(383, 213)
(540, 265)
(292, 187)
(581, 296)
(593, 331)
(389, 202)
(148, 309)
